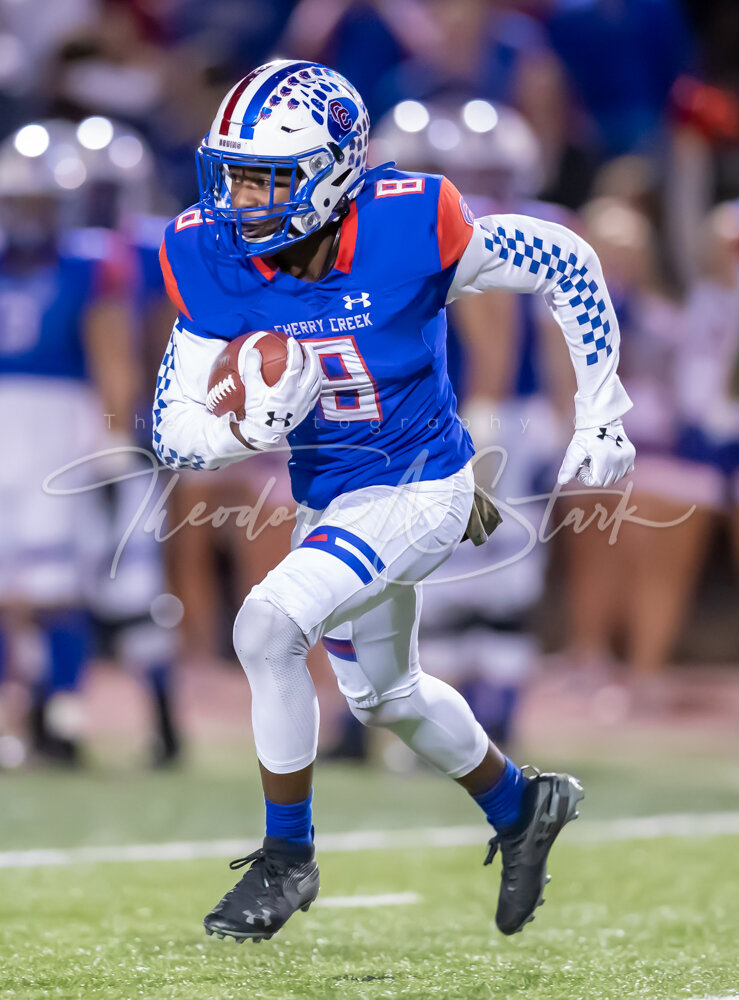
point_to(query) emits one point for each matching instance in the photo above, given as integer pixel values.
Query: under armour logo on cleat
(272, 418)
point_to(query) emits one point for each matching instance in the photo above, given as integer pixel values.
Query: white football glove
(271, 412)
(598, 456)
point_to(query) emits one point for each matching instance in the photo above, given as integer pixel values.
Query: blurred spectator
(423, 49)
(622, 57)
(678, 365)
(109, 67)
(701, 466)
(29, 34)
(615, 590)
(236, 35)
(365, 40)
(704, 164)
(116, 68)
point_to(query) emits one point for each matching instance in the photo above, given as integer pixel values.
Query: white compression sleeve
(284, 708)
(436, 722)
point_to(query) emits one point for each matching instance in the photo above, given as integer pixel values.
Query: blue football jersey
(42, 310)
(145, 233)
(387, 412)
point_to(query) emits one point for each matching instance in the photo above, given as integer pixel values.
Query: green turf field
(636, 918)
(655, 920)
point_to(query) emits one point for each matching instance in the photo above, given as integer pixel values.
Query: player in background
(293, 232)
(135, 615)
(64, 350)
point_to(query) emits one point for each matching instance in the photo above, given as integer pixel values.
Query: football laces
(219, 391)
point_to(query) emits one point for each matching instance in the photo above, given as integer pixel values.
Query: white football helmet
(41, 174)
(120, 173)
(291, 116)
(485, 149)
(99, 170)
(42, 158)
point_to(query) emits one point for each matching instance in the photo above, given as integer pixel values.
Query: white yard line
(381, 899)
(583, 832)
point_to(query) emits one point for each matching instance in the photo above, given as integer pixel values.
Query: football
(225, 386)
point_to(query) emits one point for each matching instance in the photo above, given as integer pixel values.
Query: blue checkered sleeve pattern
(573, 279)
(165, 376)
(185, 434)
(520, 253)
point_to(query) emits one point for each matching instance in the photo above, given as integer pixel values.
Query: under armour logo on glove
(598, 456)
(272, 417)
(604, 434)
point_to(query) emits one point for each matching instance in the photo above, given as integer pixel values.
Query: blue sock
(502, 804)
(292, 822)
(69, 635)
(159, 676)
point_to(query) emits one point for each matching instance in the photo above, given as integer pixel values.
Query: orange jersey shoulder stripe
(453, 228)
(347, 241)
(170, 282)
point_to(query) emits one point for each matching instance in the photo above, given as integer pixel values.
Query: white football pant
(351, 580)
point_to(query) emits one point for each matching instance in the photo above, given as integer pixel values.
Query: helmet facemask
(264, 229)
(304, 128)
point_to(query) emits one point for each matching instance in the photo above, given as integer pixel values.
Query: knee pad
(272, 650)
(263, 634)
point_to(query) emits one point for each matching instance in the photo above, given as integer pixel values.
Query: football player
(293, 232)
(63, 350)
(117, 197)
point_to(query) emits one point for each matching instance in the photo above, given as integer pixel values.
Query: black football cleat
(549, 801)
(283, 878)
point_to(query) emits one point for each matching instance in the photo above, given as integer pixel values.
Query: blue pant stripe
(325, 537)
(346, 557)
(359, 543)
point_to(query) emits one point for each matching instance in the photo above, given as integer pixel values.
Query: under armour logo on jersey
(362, 300)
(272, 418)
(604, 434)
